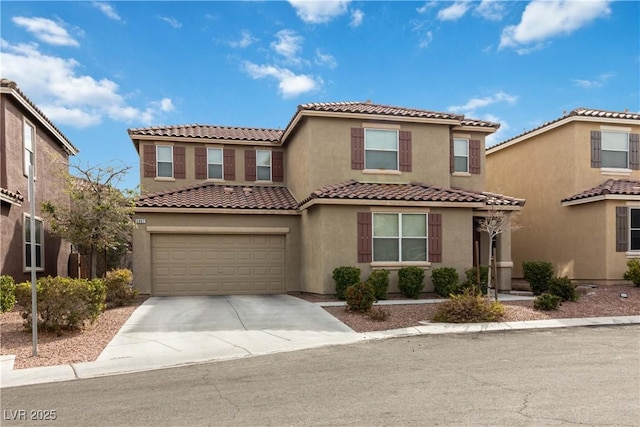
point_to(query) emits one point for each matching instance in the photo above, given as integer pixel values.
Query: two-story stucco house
(242, 210)
(28, 138)
(580, 175)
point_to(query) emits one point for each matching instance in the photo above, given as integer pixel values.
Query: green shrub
(120, 289)
(633, 271)
(445, 281)
(7, 294)
(538, 274)
(360, 297)
(345, 277)
(411, 281)
(547, 302)
(472, 280)
(63, 303)
(379, 279)
(468, 307)
(562, 287)
(379, 314)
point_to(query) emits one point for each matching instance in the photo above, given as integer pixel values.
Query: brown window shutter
(404, 137)
(149, 157)
(277, 159)
(452, 167)
(250, 165)
(357, 148)
(622, 229)
(596, 146)
(364, 237)
(474, 156)
(201, 163)
(634, 151)
(178, 163)
(229, 155)
(435, 237)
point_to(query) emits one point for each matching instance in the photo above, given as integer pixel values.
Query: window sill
(393, 265)
(381, 172)
(263, 182)
(633, 254)
(461, 174)
(28, 270)
(615, 171)
(164, 178)
(216, 180)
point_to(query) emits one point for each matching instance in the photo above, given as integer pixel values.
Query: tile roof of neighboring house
(211, 132)
(10, 196)
(221, 196)
(353, 189)
(12, 86)
(621, 187)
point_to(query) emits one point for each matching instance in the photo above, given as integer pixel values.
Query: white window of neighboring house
(263, 165)
(399, 237)
(381, 149)
(460, 155)
(39, 243)
(29, 142)
(214, 163)
(615, 150)
(634, 229)
(164, 156)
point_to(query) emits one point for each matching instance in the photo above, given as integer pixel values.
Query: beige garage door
(205, 264)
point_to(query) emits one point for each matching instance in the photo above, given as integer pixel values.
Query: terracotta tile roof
(211, 132)
(375, 109)
(409, 192)
(10, 84)
(479, 123)
(221, 196)
(611, 186)
(10, 196)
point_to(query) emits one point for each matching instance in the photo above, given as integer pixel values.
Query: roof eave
(601, 197)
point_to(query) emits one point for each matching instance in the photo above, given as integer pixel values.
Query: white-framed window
(615, 150)
(460, 155)
(164, 162)
(399, 237)
(214, 163)
(39, 243)
(634, 229)
(381, 149)
(29, 143)
(263, 165)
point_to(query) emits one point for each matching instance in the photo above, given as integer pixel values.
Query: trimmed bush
(120, 289)
(472, 280)
(379, 279)
(7, 294)
(379, 314)
(562, 287)
(468, 307)
(445, 281)
(63, 303)
(360, 297)
(411, 281)
(538, 274)
(633, 272)
(344, 277)
(547, 302)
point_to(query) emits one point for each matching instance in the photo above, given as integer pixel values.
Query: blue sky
(99, 68)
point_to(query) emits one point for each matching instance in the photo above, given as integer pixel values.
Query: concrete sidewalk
(135, 349)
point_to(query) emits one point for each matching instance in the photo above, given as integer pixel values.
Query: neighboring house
(28, 137)
(580, 175)
(229, 210)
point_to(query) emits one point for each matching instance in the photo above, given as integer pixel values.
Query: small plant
(411, 281)
(538, 274)
(445, 281)
(547, 302)
(7, 294)
(379, 279)
(562, 287)
(120, 289)
(379, 314)
(360, 297)
(468, 307)
(633, 272)
(472, 279)
(344, 277)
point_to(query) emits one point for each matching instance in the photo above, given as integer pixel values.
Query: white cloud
(171, 21)
(319, 11)
(426, 40)
(325, 59)
(289, 83)
(475, 103)
(245, 40)
(289, 45)
(357, 16)
(492, 10)
(544, 19)
(46, 30)
(500, 134)
(107, 9)
(66, 97)
(425, 7)
(453, 12)
(600, 81)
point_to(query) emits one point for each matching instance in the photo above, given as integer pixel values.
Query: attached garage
(217, 264)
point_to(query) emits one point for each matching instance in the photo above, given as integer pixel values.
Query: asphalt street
(587, 376)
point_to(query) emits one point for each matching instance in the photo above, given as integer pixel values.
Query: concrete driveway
(169, 331)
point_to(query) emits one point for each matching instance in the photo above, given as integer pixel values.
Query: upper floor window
(615, 150)
(29, 144)
(263, 165)
(214, 163)
(399, 237)
(381, 149)
(460, 155)
(38, 242)
(164, 156)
